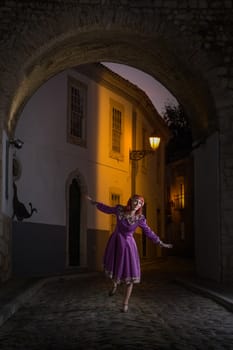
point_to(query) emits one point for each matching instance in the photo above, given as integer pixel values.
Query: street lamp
(139, 154)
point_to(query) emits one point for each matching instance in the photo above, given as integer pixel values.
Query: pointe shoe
(125, 308)
(112, 291)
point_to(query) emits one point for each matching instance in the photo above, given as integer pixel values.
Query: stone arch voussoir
(120, 36)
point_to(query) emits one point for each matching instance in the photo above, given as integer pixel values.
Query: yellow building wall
(107, 173)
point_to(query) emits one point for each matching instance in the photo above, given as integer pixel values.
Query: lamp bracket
(139, 154)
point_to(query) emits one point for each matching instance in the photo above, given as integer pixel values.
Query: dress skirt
(121, 258)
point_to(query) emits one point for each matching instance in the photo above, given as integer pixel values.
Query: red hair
(129, 204)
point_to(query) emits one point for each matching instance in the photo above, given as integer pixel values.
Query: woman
(121, 258)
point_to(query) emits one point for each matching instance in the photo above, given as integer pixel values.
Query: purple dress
(121, 258)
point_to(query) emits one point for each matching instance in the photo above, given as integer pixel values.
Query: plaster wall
(49, 163)
(46, 158)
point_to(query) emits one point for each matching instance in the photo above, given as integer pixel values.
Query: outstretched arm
(102, 207)
(151, 235)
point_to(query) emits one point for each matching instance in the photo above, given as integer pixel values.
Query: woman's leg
(113, 289)
(128, 292)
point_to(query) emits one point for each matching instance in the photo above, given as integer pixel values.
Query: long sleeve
(148, 232)
(106, 208)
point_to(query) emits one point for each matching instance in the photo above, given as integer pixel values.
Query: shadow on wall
(19, 209)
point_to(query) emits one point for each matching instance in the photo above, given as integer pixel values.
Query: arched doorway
(76, 227)
(74, 224)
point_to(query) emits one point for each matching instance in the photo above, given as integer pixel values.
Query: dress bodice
(125, 224)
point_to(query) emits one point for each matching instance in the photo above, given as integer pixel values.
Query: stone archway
(147, 44)
(147, 40)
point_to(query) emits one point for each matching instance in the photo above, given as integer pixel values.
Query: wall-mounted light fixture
(139, 154)
(16, 143)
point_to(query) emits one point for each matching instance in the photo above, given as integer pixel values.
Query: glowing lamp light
(154, 142)
(139, 154)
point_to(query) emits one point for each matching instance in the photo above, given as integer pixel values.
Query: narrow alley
(75, 312)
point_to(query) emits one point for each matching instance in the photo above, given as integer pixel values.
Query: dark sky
(157, 93)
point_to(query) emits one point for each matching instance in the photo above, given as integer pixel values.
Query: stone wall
(5, 249)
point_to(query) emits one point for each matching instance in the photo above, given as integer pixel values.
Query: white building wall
(48, 160)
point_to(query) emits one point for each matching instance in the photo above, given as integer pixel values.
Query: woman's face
(136, 204)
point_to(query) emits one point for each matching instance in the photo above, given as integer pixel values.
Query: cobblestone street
(76, 313)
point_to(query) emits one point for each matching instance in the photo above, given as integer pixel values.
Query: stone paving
(76, 313)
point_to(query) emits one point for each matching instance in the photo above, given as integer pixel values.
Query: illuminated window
(116, 114)
(179, 196)
(77, 102)
(115, 199)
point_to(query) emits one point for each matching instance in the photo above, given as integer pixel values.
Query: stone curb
(218, 297)
(11, 308)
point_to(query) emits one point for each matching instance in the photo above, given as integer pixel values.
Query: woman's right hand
(90, 199)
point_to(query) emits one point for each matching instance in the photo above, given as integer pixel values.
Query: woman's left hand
(166, 245)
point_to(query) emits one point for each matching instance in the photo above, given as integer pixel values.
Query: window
(116, 130)
(114, 199)
(77, 102)
(116, 114)
(179, 196)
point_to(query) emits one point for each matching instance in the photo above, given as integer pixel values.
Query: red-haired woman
(121, 259)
